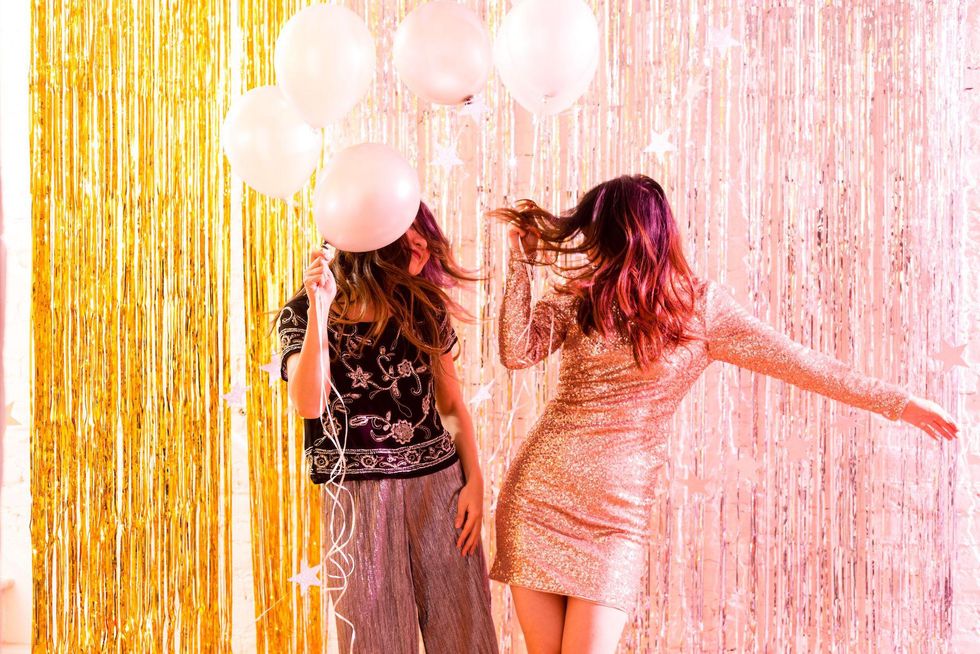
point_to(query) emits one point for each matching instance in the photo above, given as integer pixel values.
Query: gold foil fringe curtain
(805, 152)
(285, 518)
(130, 439)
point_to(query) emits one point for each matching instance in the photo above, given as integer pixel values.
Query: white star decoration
(10, 420)
(483, 394)
(721, 39)
(950, 355)
(272, 368)
(694, 88)
(738, 599)
(696, 485)
(797, 448)
(659, 145)
(446, 156)
(306, 577)
(748, 468)
(846, 422)
(474, 109)
(235, 397)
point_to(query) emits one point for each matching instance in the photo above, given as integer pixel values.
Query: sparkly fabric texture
(408, 575)
(573, 516)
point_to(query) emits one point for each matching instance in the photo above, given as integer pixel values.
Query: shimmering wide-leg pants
(407, 573)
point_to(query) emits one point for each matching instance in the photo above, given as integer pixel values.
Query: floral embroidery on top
(359, 378)
(381, 412)
(402, 431)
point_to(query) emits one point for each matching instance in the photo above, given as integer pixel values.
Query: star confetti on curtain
(235, 397)
(721, 40)
(660, 145)
(306, 577)
(797, 448)
(846, 422)
(273, 368)
(694, 88)
(482, 394)
(446, 157)
(748, 468)
(475, 108)
(697, 485)
(11, 421)
(950, 356)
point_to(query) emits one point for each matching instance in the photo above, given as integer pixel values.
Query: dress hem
(558, 591)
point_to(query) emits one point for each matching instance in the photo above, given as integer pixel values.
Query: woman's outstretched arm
(736, 336)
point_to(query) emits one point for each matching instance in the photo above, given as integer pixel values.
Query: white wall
(15, 498)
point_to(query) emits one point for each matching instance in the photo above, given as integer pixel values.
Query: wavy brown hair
(634, 280)
(419, 304)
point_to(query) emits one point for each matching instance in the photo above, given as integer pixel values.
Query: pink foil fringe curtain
(812, 154)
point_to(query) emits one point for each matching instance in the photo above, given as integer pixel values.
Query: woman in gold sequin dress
(636, 328)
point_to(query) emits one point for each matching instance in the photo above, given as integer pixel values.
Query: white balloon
(547, 53)
(366, 198)
(324, 61)
(442, 52)
(268, 144)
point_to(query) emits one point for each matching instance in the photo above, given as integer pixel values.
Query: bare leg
(542, 616)
(591, 628)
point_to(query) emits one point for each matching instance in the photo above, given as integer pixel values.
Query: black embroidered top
(386, 402)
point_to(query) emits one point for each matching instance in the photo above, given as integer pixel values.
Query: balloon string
(336, 492)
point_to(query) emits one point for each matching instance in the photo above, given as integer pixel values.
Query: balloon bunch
(546, 52)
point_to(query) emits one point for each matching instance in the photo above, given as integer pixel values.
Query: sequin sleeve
(736, 336)
(528, 335)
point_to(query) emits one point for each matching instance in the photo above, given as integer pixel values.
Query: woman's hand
(469, 516)
(524, 242)
(930, 418)
(318, 276)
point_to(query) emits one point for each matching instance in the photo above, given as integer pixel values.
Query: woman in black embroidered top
(409, 452)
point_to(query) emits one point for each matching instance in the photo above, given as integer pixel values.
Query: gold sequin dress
(573, 515)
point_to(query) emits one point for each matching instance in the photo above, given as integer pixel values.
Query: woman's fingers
(467, 539)
(930, 429)
(316, 275)
(323, 254)
(931, 418)
(465, 535)
(460, 539)
(949, 422)
(460, 515)
(947, 430)
(471, 541)
(941, 422)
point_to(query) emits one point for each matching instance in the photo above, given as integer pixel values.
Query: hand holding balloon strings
(321, 288)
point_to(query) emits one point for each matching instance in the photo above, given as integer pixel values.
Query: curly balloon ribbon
(340, 525)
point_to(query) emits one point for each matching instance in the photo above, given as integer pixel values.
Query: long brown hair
(419, 304)
(635, 280)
